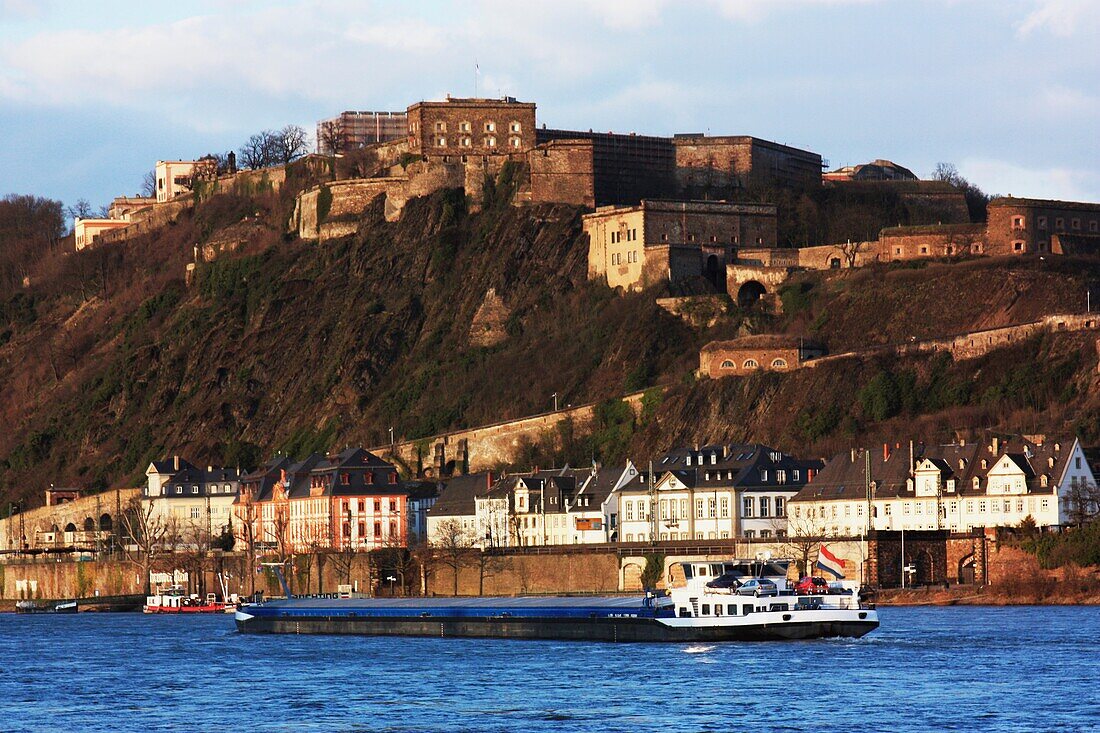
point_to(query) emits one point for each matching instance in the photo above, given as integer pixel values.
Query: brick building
(625, 168)
(351, 130)
(764, 352)
(1026, 226)
(636, 246)
(349, 499)
(731, 161)
(942, 240)
(472, 126)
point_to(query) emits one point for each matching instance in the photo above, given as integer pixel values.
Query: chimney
(995, 446)
(488, 480)
(885, 452)
(853, 455)
(175, 463)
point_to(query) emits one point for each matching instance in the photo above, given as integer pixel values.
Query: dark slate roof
(743, 461)
(168, 465)
(203, 478)
(459, 493)
(297, 475)
(843, 477)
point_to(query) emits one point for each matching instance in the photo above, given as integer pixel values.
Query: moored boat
(47, 607)
(176, 600)
(704, 605)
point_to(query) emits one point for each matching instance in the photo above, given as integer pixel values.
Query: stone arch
(53, 528)
(779, 363)
(106, 523)
(89, 524)
(70, 527)
(750, 292)
(712, 271)
(968, 569)
(924, 567)
(727, 364)
(751, 364)
(630, 577)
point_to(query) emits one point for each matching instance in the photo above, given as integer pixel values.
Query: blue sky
(92, 94)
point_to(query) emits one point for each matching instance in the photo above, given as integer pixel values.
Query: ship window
(746, 609)
(733, 609)
(685, 612)
(706, 609)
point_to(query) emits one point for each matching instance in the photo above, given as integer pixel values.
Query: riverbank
(971, 595)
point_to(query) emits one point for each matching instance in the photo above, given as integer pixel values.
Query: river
(957, 668)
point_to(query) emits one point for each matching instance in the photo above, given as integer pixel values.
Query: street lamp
(391, 580)
(555, 397)
(391, 439)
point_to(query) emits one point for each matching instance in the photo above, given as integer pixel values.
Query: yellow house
(85, 231)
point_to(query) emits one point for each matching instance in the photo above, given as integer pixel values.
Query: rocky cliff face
(446, 319)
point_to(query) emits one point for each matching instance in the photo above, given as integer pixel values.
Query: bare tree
(801, 538)
(489, 563)
(331, 138)
(246, 533)
(851, 251)
(290, 143)
(453, 547)
(256, 151)
(144, 531)
(1082, 502)
(81, 209)
(149, 184)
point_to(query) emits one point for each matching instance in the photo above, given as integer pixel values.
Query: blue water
(925, 669)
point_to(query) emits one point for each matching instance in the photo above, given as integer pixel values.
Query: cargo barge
(708, 606)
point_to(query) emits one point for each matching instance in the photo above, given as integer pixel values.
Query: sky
(93, 93)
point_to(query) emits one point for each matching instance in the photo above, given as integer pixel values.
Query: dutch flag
(830, 563)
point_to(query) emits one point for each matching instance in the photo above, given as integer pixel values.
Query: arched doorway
(967, 570)
(631, 577)
(89, 525)
(70, 527)
(105, 523)
(749, 293)
(712, 272)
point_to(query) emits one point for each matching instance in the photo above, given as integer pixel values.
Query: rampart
(81, 522)
(489, 446)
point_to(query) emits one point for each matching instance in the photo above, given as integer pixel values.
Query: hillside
(109, 359)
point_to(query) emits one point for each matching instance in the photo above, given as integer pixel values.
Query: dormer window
(763, 475)
(976, 482)
(985, 464)
(951, 485)
(962, 463)
(1044, 481)
(713, 458)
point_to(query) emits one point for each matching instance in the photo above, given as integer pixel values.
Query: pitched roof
(741, 465)
(459, 493)
(843, 476)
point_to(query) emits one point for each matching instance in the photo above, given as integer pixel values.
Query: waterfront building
(714, 492)
(556, 507)
(958, 487)
(192, 505)
(352, 499)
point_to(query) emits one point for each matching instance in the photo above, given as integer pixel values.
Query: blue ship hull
(606, 618)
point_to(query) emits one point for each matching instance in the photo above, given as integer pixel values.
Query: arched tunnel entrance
(712, 272)
(749, 293)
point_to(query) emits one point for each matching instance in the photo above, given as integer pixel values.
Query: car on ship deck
(758, 587)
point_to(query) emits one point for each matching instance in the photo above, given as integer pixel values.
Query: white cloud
(1061, 17)
(1058, 182)
(753, 10)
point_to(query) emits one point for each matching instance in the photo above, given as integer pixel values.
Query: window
(763, 475)
(441, 142)
(393, 506)
(727, 364)
(1018, 246)
(712, 508)
(194, 512)
(1076, 223)
(514, 142)
(981, 507)
(699, 508)
(779, 364)
(889, 510)
(724, 506)
(781, 476)
(1041, 222)
(746, 507)
(749, 534)
(490, 127)
(194, 489)
(490, 142)
(629, 512)
(1059, 223)
(794, 475)
(1018, 222)
(751, 364)
(515, 127)
(765, 506)
(464, 126)
(780, 506)
(467, 142)
(377, 506)
(345, 479)
(440, 126)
